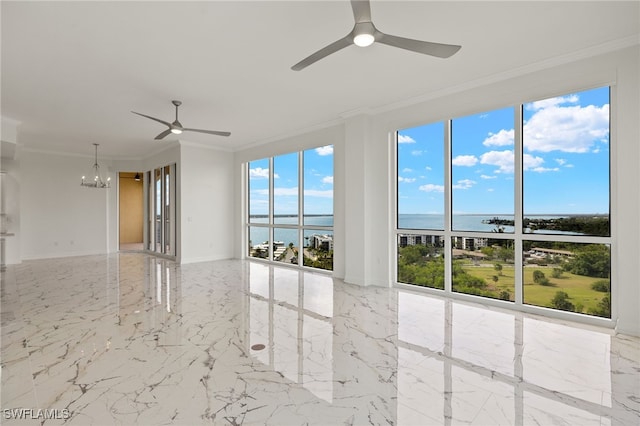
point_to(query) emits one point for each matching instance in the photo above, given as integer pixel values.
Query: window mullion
(300, 206)
(448, 193)
(271, 206)
(518, 199)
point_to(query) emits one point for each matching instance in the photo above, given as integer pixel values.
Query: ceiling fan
(176, 126)
(364, 33)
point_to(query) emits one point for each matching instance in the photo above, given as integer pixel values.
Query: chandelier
(97, 181)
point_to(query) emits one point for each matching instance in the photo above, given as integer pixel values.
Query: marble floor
(129, 339)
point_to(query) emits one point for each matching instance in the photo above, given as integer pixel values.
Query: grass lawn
(578, 287)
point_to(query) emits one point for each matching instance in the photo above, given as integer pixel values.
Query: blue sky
(318, 183)
(565, 159)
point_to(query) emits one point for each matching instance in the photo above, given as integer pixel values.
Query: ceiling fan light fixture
(176, 126)
(364, 40)
(365, 33)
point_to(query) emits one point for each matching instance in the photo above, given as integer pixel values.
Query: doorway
(131, 211)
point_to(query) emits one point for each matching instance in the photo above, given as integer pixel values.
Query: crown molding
(589, 52)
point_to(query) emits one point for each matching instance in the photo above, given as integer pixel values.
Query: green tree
(601, 285)
(488, 251)
(427, 272)
(413, 254)
(538, 276)
(467, 280)
(561, 301)
(505, 253)
(556, 273)
(498, 267)
(604, 307)
(592, 260)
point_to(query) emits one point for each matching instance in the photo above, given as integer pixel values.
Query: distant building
(323, 242)
(470, 244)
(405, 240)
(460, 253)
(541, 251)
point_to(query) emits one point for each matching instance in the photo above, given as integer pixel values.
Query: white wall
(206, 207)
(58, 217)
(10, 206)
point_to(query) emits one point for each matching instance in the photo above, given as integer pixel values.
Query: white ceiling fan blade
(210, 132)
(426, 47)
(163, 134)
(325, 51)
(153, 118)
(361, 10)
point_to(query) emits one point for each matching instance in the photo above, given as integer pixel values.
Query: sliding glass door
(161, 226)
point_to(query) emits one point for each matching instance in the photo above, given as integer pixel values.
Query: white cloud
(530, 162)
(407, 180)
(502, 159)
(278, 191)
(464, 184)
(544, 169)
(318, 193)
(416, 152)
(325, 150)
(285, 191)
(405, 139)
(428, 168)
(490, 190)
(259, 173)
(502, 138)
(327, 179)
(294, 191)
(407, 170)
(566, 128)
(430, 187)
(551, 102)
(465, 160)
(561, 161)
(488, 177)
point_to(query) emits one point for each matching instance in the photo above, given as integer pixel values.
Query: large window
(290, 208)
(510, 204)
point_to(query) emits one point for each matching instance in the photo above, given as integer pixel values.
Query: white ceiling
(73, 71)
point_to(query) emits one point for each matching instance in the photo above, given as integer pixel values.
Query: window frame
(271, 224)
(518, 236)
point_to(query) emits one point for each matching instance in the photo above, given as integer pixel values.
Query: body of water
(259, 235)
(471, 222)
(461, 222)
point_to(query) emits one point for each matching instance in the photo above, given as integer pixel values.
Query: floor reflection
(135, 339)
(290, 313)
(473, 364)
